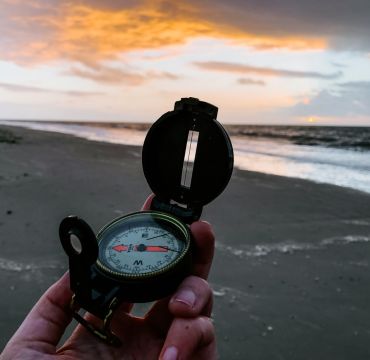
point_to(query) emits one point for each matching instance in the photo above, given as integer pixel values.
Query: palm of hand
(143, 338)
(179, 326)
(140, 341)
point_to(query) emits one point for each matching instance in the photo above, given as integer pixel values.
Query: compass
(142, 245)
(187, 161)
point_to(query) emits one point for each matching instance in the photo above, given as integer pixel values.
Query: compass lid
(187, 156)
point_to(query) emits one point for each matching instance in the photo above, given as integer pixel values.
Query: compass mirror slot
(189, 158)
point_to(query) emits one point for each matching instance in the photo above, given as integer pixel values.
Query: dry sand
(291, 274)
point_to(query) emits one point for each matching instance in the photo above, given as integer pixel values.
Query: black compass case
(165, 156)
(183, 181)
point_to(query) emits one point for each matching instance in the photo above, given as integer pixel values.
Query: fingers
(46, 322)
(204, 248)
(193, 298)
(190, 339)
(148, 202)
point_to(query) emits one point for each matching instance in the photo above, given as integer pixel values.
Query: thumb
(45, 324)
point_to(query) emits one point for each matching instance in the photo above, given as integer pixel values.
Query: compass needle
(154, 237)
(120, 248)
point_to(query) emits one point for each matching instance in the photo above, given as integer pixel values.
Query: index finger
(204, 248)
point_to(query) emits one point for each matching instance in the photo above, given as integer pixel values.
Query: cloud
(248, 81)
(338, 65)
(36, 89)
(109, 75)
(264, 71)
(341, 24)
(86, 31)
(355, 85)
(114, 76)
(346, 99)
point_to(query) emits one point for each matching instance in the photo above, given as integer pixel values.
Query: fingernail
(186, 297)
(170, 353)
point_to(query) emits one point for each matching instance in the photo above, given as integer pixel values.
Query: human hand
(177, 327)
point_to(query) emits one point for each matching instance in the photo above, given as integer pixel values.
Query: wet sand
(291, 274)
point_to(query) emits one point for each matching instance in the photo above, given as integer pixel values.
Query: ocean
(332, 155)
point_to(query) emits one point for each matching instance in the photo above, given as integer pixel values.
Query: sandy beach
(291, 274)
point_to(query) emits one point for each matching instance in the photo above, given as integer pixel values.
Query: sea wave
(289, 247)
(357, 138)
(20, 266)
(276, 150)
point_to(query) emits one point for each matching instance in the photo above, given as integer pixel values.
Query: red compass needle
(155, 249)
(143, 248)
(120, 248)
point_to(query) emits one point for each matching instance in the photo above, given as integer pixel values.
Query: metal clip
(104, 334)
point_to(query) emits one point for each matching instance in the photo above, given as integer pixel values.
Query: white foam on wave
(358, 222)
(233, 296)
(345, 239)
(265, 249)
(342, 167)
(17, 266)
(289, 247)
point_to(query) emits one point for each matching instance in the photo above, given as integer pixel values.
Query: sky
(260, 61)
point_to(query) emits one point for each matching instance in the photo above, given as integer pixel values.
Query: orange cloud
(104, 33)
(263, 42)
(88, 34)
(110, 75)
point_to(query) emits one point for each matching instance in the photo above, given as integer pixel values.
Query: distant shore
(291, 273)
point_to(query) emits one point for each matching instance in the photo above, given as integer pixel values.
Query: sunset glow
(312, 119)
(131, 60)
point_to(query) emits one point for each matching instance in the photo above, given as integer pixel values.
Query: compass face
(142, 244)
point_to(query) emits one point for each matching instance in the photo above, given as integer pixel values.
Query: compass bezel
(170, 221)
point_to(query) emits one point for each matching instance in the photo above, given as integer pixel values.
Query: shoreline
(291, 270)
(138, 126)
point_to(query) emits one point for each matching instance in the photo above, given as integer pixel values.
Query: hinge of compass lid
(196, 106)
(187, 215)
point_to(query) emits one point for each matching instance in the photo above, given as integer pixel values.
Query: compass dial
(142, 244)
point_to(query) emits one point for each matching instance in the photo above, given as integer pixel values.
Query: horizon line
(123, 122)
